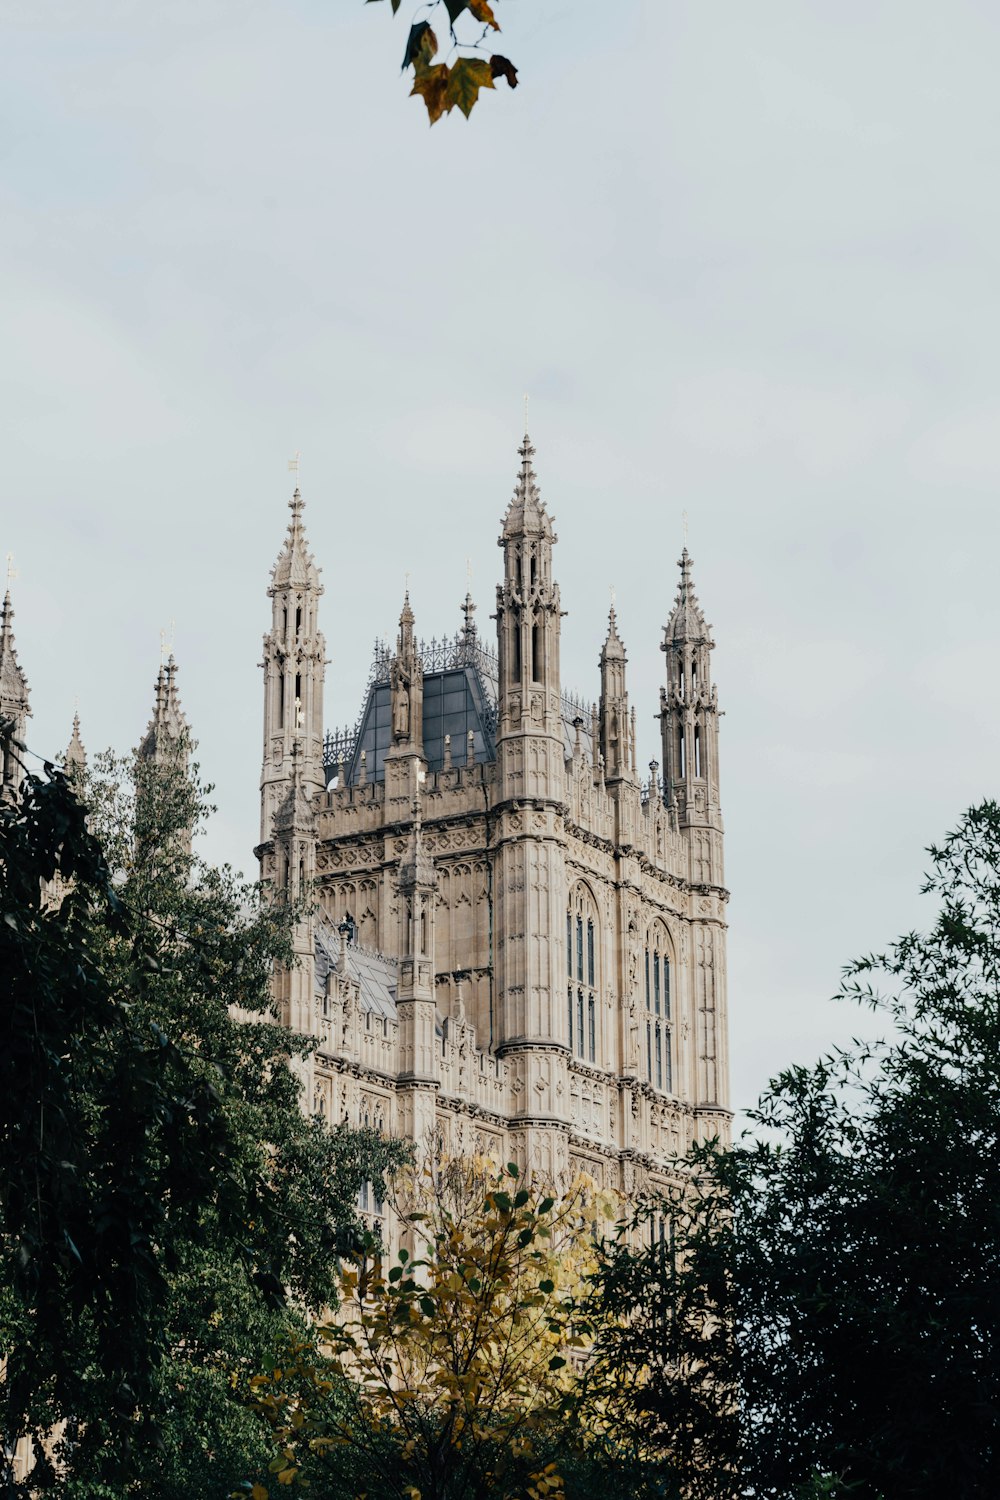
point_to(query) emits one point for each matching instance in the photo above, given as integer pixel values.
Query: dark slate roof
(460, 693)
(376, 975)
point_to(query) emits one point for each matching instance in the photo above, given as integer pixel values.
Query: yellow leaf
(432, 85)
(259, 1493)
(467, 77)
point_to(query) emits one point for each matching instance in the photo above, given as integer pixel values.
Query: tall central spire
(295, 567)
(294, 662)
(526, 513)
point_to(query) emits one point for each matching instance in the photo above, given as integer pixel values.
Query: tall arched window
(658, 1049)
(582, 975)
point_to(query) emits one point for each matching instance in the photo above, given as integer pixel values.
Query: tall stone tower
(14, 701)
(292, 771)
(689, 722)
(294, 665)
(416, 1002)
(530, 865)
(517, 946)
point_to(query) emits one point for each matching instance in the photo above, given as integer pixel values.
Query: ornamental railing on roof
(339, 745)
(463, 649)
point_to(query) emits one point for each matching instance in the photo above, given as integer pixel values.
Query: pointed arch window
(659, 1030)
(582, 968)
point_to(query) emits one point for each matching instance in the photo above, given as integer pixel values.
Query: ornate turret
(293, 867)
(615, 724)
(294, 664)
(406, 679)
(529, 1024)
(415, 1002)
(14, 700)
(689, 720)
(405, 759)
(530, 733)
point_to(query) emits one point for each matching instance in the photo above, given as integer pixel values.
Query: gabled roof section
(375, 975)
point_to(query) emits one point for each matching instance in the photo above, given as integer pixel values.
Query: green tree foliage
(164, 1201)
(822, 1313)
(450, 1376)
(445, 86)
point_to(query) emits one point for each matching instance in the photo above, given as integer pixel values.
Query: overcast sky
(742, 253)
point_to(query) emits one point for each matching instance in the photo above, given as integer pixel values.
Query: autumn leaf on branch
(421, 46)
(467, 77)
(483, 11)
(431, 83)
(443, 88)
(502, 67)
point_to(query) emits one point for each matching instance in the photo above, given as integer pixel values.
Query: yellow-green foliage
(451, 1372)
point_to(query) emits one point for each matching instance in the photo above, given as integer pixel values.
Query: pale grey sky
(743, 255)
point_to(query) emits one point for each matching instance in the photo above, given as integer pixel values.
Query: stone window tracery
(659, 1019)
(582, 975)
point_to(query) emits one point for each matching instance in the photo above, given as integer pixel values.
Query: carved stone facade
(520, 948)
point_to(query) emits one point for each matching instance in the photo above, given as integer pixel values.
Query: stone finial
(469, 627)
(613, 645)
(687, 622)
(295, 567)
(406, 623)
(168, 728)
(526, 512)
(76, 755)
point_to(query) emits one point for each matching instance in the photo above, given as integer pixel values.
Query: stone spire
(615, 723)
(406, 694)
(76, 756)
(295, 567)
(528, 628)
(687, 622)
(689, 719)
(14, 698)
(526, 512)
(294, 664)
(168, 729)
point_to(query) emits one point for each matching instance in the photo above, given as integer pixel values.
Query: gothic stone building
(518, 947)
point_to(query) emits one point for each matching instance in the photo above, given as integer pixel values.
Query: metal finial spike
(526, 414)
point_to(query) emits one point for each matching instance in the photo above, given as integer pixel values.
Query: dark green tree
(166, 1208)
(818, 1312)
